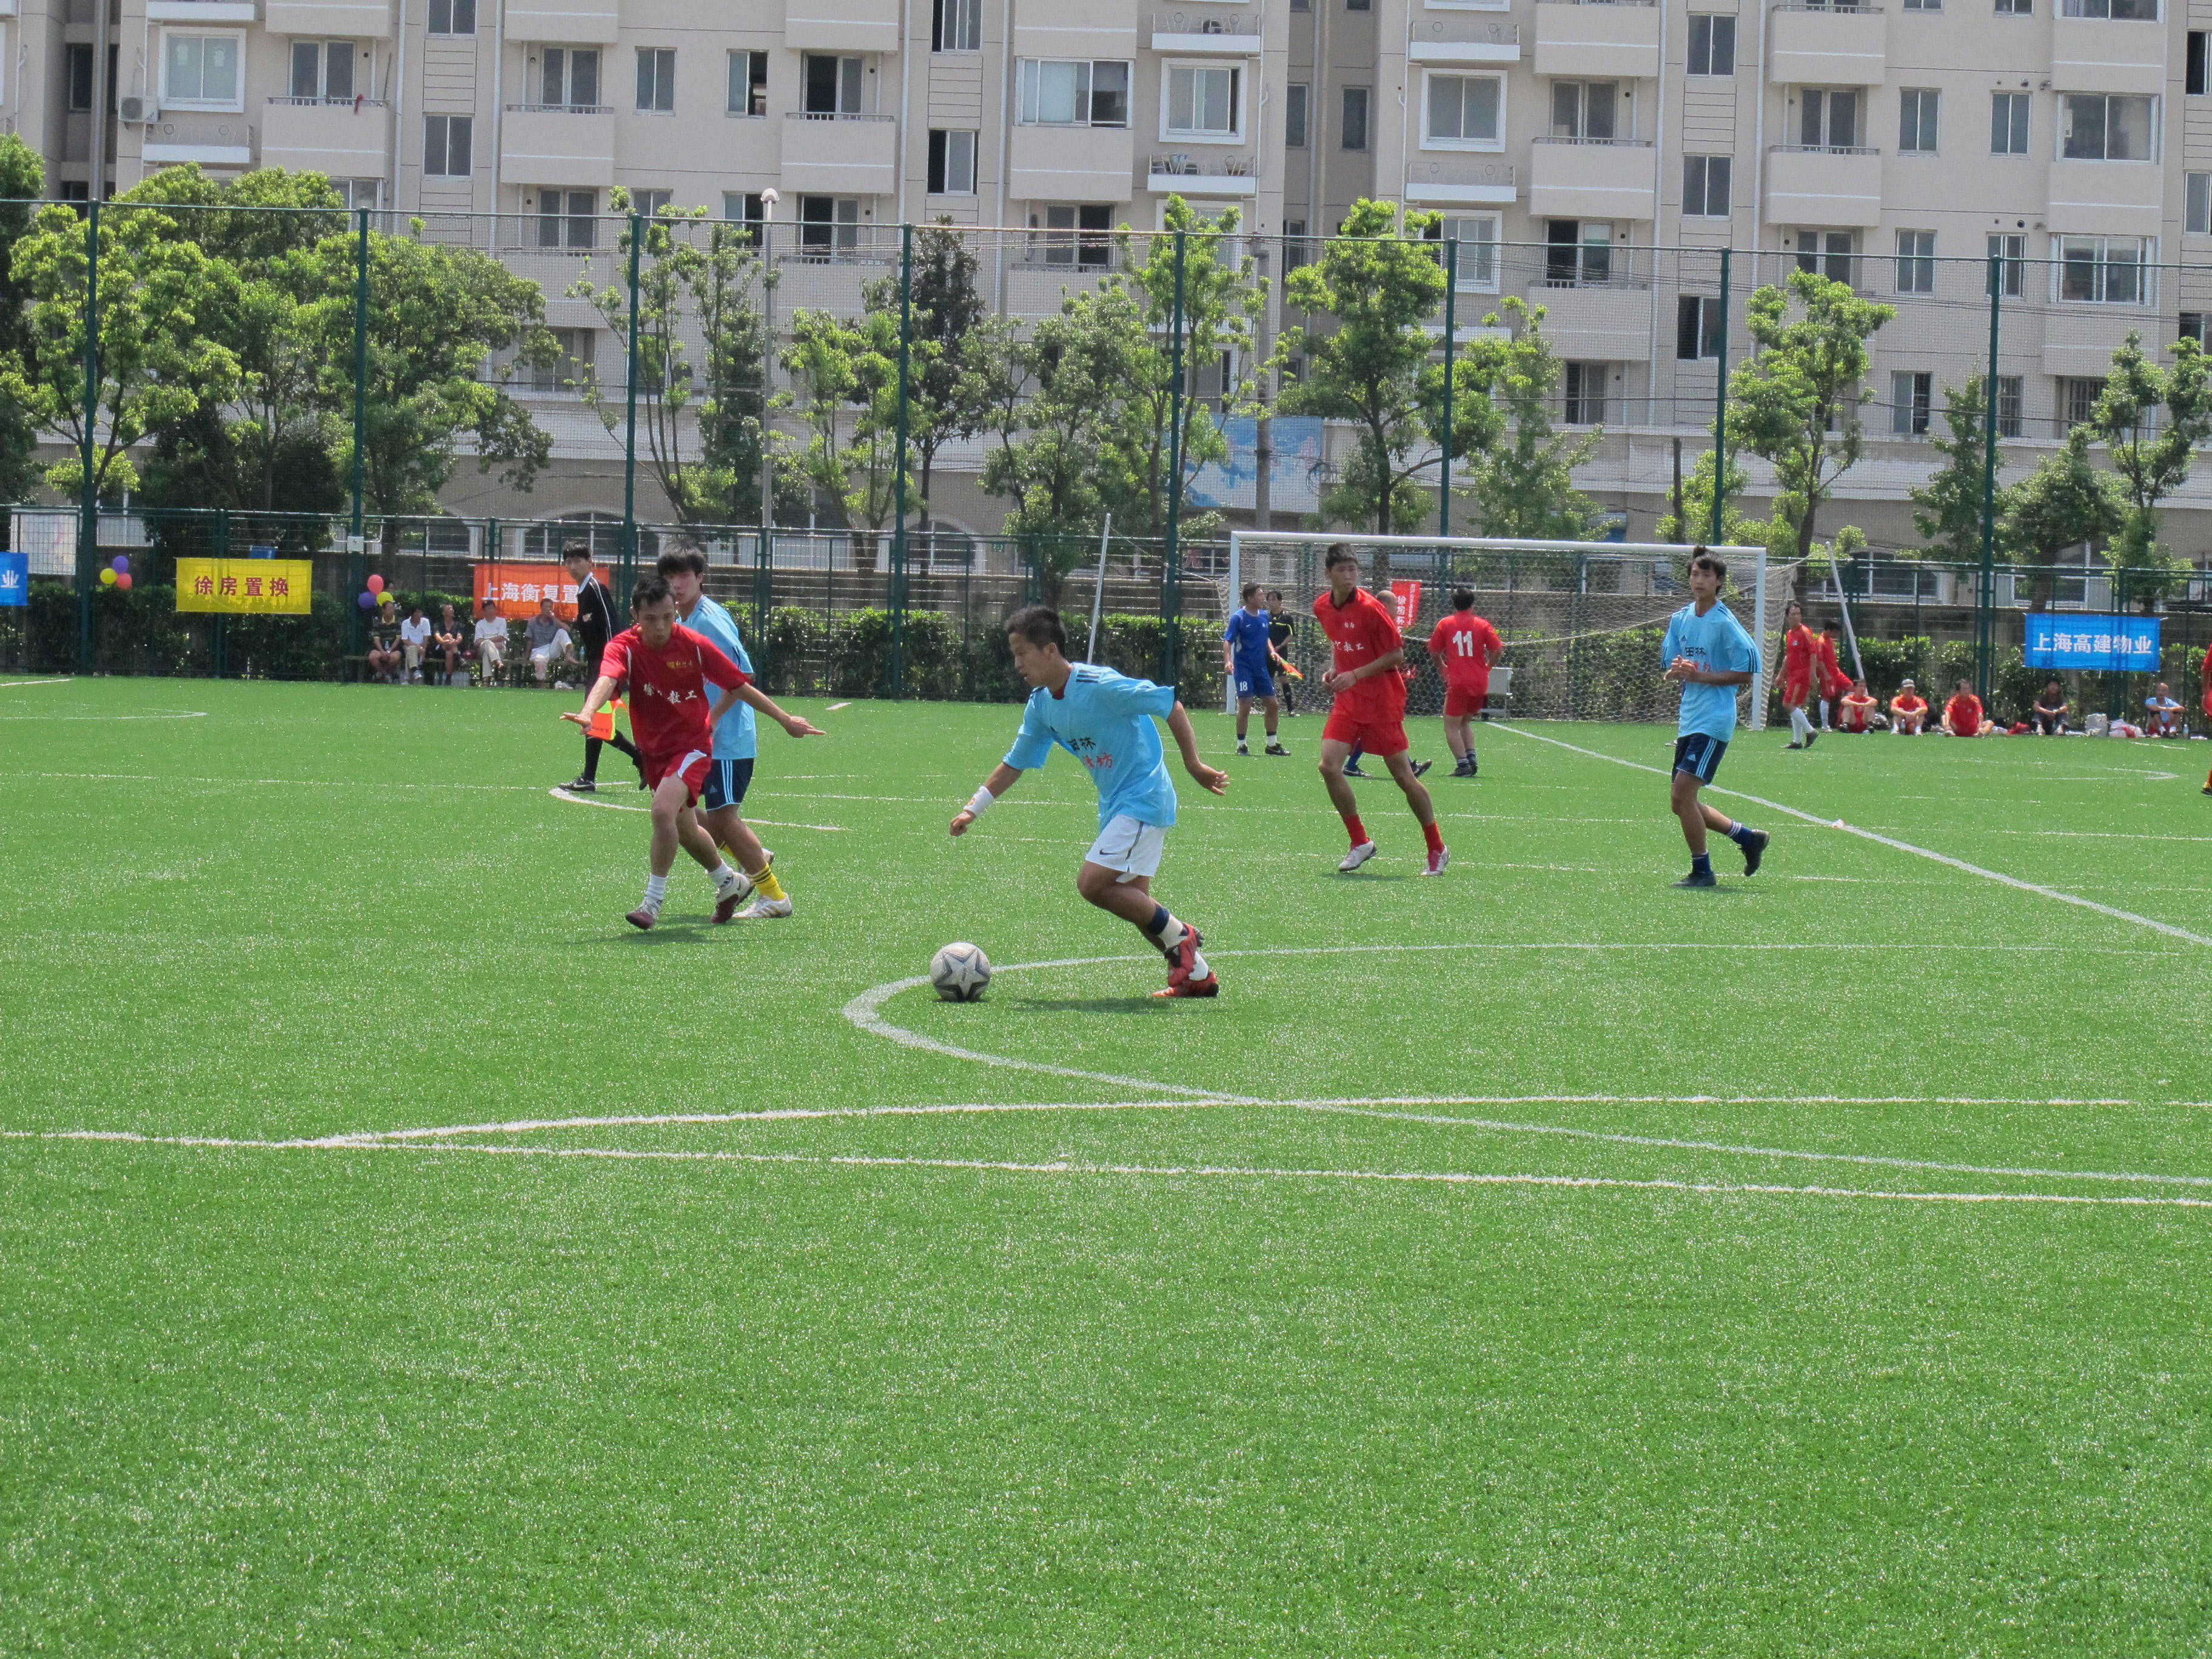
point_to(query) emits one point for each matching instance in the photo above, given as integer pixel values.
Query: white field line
(1249, 1172)
(2118, 914)
(835, 707)
(10, 685)
(559, 793)
(56, 719)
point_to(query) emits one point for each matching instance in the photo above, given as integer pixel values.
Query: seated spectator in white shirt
(414, 642)
(2050, 714)
(491, 640)
(2163, 715)
(549, 642)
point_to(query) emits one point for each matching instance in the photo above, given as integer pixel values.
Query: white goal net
(1581, 621)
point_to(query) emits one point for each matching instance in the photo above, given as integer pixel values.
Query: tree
(1523, 481)
(845, 381)
(2150, 456)
(1696, 522)
(23, 181)
(1947, 510)
(1381, 283)
(700, 407)
(2063, 502)
(949, 320)
(1794, 401)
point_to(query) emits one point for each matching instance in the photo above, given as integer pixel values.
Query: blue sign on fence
(2125, 643)
(14, 579)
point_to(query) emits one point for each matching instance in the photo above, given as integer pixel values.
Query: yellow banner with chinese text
(255, 587)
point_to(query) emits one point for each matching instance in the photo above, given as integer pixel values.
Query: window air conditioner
(136, 111)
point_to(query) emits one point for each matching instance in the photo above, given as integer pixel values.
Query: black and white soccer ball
(960, 972)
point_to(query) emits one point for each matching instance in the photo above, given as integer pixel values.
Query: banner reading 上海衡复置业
(2121, 644)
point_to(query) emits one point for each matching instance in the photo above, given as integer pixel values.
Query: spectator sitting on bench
(447, 642)
(1859, 712)
(1908, 712)
(415, 642)
(549, 644)
(2161, 714)
(491, 640)
(384, 644)
(1963, 716)
(2050, 712)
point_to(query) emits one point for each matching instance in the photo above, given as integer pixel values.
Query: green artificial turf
(1178, 1378)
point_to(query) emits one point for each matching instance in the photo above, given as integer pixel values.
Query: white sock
(1199, 970)
(656, 891)
(722, 875)
(1799, 726)
(1171, 935)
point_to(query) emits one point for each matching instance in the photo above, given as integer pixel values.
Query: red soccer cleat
(1184, 957)
(642, 918)
(1208, 987)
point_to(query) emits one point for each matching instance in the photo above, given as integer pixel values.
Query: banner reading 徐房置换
(252, 587)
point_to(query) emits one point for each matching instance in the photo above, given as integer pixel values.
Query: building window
(323, 69)
(1075, 92)
(2077, 399)
(1475, 237)
(745, 209)
(1584, 384)
(1910, 392)
(452, 16)
(1294, 245)
(2015, 8)
(80, 80)
(568, 77)
(446, 145)
(829, 225)
(572, 371)
(1915, 262)
(1712, 44)
(1585, 109)
(1705, 186)
(2009, 405)
(1077, 234)
(1359, 5)
(1296, 97)
(1828, 120)
(656, 79)
(1923, 5)
(2007, 123)
(201, 71)
(568, 218)
(356, 193)
(2194, 84)
(951, 161)
(1463, 111)
(1353, 132)
(1827, 253)
(1696, 328)
(748, 83)
(1916, 121)
(2141, 11)
(2010, 251)
(957, 25)
(2100, 126)
(1203, 100)
(833, 85)
(1577, 252)
(2103, 269)
(648, 204)
(2197, 326)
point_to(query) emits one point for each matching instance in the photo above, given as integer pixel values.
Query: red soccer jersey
(1963, 715)
(1466, 645)
(1363, 631)
(668, 698)
(1856, 712)
(1798, 649)
(1831, 674)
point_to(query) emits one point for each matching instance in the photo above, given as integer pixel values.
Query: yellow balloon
(106, 577)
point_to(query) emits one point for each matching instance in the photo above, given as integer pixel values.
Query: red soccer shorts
(1462, 701)
(1793, 692)
(690, 766)
(1378, 737)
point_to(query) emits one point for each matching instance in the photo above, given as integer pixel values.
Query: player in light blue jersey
(1248, 657)
(1105, 720)
(736, 746)
(1707, 650)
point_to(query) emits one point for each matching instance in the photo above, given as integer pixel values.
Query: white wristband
(980, 802)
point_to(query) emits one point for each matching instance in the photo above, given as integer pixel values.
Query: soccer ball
(960, 972)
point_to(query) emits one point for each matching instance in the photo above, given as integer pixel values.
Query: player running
(735, 747)
(1833, 681)
(1105, 720)
(669, 668)
(1801, 649)
(1467, 647)
(1248, 657)
(1369, 683)
(1707, 650)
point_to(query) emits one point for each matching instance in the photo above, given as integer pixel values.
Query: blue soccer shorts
(726, 783)
(1255, 682)
(1699, 754)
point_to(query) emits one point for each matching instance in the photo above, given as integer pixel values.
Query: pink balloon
(123, 582)
(376, 583)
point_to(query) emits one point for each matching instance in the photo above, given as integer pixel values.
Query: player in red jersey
(1465, 646)
(1800, 647)
(1833, 681)
(669, 668)
(1369, 683)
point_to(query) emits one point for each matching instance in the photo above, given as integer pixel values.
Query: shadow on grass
(1086, 1004)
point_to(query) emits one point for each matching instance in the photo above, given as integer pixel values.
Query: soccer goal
(1581, 621)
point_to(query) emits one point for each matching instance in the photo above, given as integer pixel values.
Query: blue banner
(14, 579)
(2128, 644)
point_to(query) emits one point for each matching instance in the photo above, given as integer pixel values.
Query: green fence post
(87, 505)
(1451, 321)
(1720, 417)
(221, 552)
(898, 467)
(628, 575)
(1172, 576)
(1985, 596)
(356, 547)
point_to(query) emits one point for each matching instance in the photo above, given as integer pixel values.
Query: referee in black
(595, 626)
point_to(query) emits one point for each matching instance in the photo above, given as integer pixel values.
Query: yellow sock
(768, 885)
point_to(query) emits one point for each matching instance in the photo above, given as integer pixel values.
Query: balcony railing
(1206, 166)
(359, 102)
(1821, 150)
(1618, 143)
(1192, 22)
(561, 109)
(1818, 5)
(831, 115)
(1597, 2)
(1462, 32)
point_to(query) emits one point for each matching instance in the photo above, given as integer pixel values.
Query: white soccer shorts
(1129, 846)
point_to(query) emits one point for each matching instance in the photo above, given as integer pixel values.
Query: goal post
(1581, 621)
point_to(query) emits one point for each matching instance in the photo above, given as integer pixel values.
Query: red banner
(1406, 601)
(518, 588)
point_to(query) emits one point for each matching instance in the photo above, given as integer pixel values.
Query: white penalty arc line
(55, 719)
(559, 793)
(1987, 874)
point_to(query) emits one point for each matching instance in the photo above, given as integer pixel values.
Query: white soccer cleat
(1437, 860)
(1358, 856)
(762, 908)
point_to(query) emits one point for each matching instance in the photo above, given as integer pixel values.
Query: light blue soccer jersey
(1714, 641)
(1247, 634)
(1105, 720)
(735, 737)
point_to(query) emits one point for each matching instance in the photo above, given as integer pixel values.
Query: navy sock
(1702, 865)
(1158, 924)
(1741, 833)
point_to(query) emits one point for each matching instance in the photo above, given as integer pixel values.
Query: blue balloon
(120, 564)
(367, 601)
